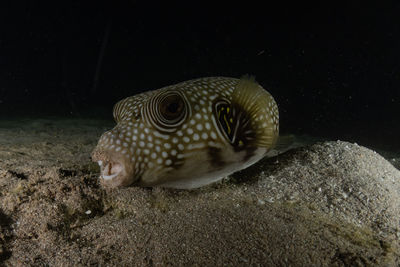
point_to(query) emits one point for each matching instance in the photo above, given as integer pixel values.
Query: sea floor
(332, 203)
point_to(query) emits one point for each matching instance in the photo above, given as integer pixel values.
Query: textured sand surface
(332, 203)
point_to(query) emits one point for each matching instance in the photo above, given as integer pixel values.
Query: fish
(188, 135)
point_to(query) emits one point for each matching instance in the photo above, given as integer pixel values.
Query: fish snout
(110, 170)
(114, 170)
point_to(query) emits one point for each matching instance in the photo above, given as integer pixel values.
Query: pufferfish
(189, 134)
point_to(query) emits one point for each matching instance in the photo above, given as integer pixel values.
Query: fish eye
(172, 107)
(167, 110)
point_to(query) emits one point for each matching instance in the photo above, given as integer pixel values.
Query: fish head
(138, 145)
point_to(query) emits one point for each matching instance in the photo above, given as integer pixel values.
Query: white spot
(159, 160)
(204, 136)
(181, 147)
(168, 162)
(196, 137)
(198, 115)
(213, 144)
(179, 133)
(199, 127)
(196, 146)
(186, 139)
(189, 130)
(213, 135)
(146, 151)
(167, 145)
(208, 125)
(153, 155)
(164, 154)
(174, 152)
(175, 140)
(141, 144)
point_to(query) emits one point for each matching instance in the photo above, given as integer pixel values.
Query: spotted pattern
(153, 150)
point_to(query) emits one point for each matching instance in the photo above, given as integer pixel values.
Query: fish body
(189, 134)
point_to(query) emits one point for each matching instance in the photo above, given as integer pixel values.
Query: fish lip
(109, 177)
(115, 169)
(110, 169)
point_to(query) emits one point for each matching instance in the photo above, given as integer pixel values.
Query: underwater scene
(146, 134)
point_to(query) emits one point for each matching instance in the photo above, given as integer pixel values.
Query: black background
(334, 68)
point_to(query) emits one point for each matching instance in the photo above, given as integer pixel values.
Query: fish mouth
(109, 169)
(115, 170)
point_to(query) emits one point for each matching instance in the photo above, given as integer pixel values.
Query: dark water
(334, 70)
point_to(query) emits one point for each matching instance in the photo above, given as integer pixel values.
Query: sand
(331, 203)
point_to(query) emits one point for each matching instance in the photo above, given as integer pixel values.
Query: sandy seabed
(324, 204)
